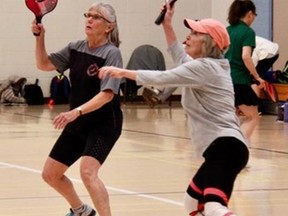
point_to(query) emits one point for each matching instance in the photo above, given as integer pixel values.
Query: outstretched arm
(116, 73)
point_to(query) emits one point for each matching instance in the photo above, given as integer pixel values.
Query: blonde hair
(210, 49)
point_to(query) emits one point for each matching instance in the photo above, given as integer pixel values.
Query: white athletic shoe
(216, 209)
(88, 212)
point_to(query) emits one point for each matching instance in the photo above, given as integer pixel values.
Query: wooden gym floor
(146, 173)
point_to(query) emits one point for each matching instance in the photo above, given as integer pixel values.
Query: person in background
(241, 15)
(12, 90)
(264, 55)
(94, 122)
(208, 99)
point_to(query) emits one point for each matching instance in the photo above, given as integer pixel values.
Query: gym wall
(66, 23)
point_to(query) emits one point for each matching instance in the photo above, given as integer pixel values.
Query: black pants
(264, 65)
(214, 180)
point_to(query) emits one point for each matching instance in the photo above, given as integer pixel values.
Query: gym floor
(146, 173)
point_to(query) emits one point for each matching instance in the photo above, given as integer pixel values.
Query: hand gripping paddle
(161, 16)
(40, 8)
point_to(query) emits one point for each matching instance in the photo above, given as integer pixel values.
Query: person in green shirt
(241, 15)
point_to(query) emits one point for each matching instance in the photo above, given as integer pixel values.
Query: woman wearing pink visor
(208, 99)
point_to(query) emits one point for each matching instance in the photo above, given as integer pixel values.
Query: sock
(79, 209)
(216, 209)
(190, 203)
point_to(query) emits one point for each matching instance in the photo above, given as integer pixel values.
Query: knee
(88, 176)
(89, 171)
(50, 177)
(47, 176)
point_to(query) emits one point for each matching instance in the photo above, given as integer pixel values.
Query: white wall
(66, 23)
(220, 10)
(280, 33)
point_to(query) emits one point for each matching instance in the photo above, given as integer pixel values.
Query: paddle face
(41, 7)
(270, 92)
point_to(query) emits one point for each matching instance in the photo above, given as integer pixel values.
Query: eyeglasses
(95, 17)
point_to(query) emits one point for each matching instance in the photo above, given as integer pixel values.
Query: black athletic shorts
(224, 159)
(96, 142)
(245, 95)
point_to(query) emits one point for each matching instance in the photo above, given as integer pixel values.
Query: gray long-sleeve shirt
(207, 95)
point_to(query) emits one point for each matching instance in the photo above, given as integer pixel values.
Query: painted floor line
(108, 187)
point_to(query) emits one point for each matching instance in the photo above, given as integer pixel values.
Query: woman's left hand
(61, 120)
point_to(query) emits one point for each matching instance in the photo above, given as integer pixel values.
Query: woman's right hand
(169, 14)
(37, 28)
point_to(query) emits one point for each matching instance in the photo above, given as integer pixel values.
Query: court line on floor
(162, 135)
(124, 191)
(187, 138)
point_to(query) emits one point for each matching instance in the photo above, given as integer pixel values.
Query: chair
(144, 57)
